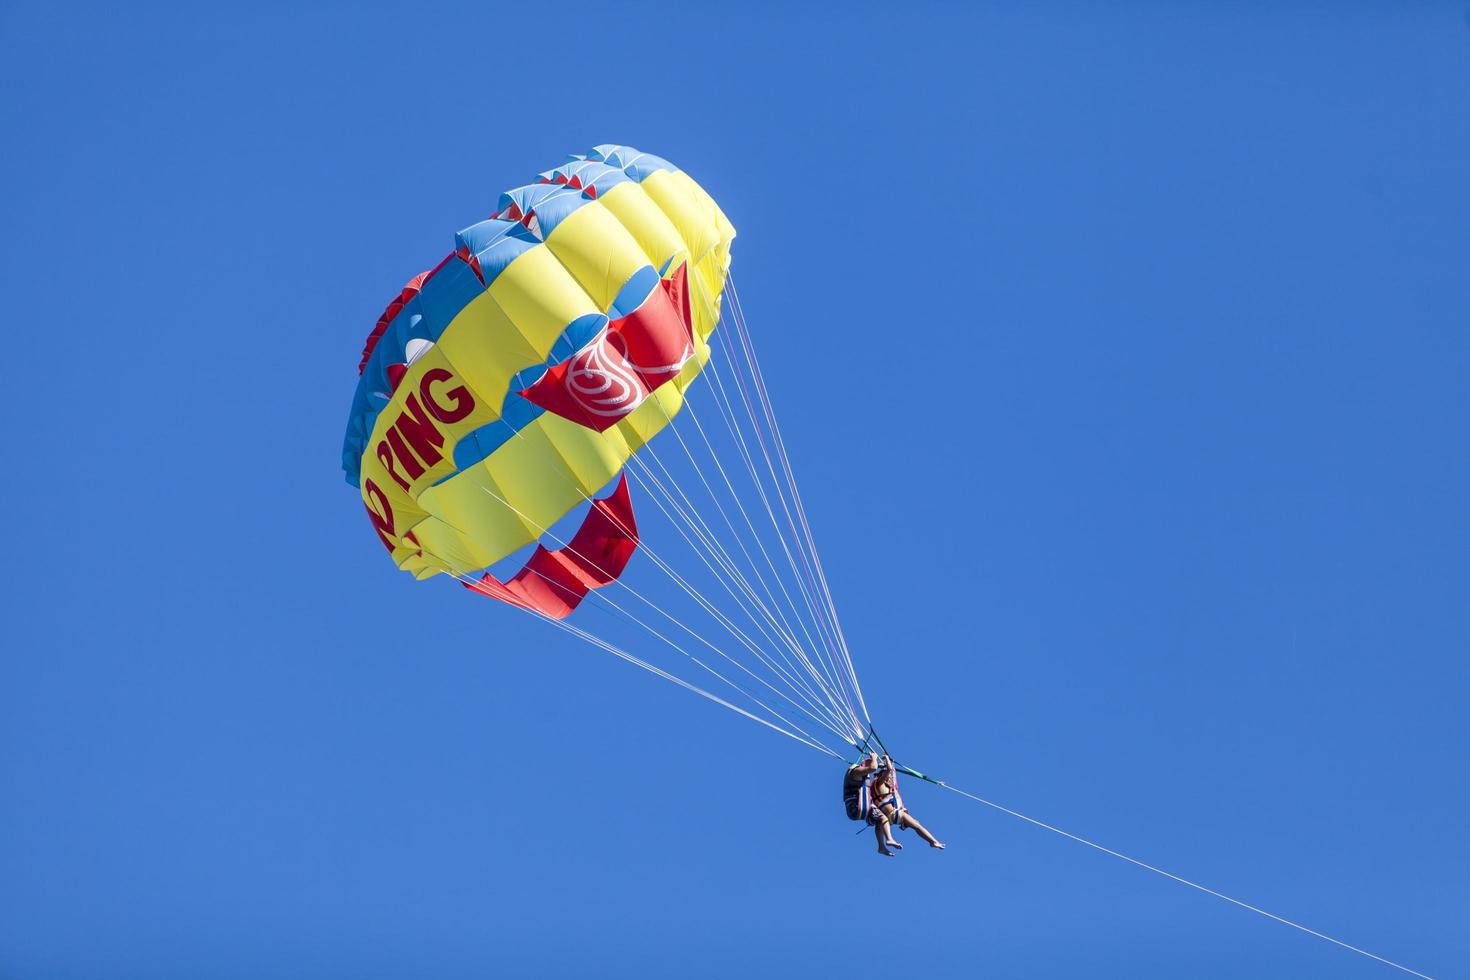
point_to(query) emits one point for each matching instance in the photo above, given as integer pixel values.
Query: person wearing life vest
(856, 799)
(884, 798)
(879, 804)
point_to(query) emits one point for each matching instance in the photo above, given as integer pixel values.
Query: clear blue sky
(1155, 526)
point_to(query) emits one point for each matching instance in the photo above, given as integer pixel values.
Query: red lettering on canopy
(411, 465)
(419, 431)
(383, 518)
(461, 402)
(413, 436)
(384, 452)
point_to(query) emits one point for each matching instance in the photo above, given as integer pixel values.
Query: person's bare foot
(894, 844)
(936, 845)
(884, 851)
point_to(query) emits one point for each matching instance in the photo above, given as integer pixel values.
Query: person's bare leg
(884, 835)
(918, 828)
(889, 839)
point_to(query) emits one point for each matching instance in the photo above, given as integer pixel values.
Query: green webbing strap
(873, 736)
(914, 772)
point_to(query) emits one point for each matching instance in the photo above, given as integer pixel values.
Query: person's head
(881, 777)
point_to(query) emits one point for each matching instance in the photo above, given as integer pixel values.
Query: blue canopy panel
(588, 176)
(634, 163)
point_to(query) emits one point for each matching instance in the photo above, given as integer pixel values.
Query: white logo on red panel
(602, 381)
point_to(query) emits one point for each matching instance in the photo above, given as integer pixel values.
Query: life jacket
(855, 796)
(895, 799)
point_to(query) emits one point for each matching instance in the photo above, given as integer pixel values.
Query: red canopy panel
(553, 583)
(619, 368)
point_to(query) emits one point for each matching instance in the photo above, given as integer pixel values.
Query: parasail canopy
(512, 390)
(502, 387)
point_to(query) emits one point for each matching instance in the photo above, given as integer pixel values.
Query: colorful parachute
(505, 386)
(504, 389)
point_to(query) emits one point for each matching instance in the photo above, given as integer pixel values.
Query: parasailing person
(870, 793)
(889, 806)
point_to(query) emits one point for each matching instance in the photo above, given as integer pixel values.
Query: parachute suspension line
(809, 552)
(792, 677)
(1182, 881)
(830, 709)
(831, 678)
(617, 651)
(707, 541)
(834, 721)
(714, 457)
(836, 671)
(706, 534)
(622, 654)
(634, 619)
(728, 416)
(738, 318)
(726, 565)
(702, 530)
(803, 545)
(737, 536)
(851, 693)
(803, 581)
(800, 572)
(743, 637)
(746, 346)
(756, 429)
(807, 736)
(676, 621)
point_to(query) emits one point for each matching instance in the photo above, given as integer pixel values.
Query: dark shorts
(893, 816)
